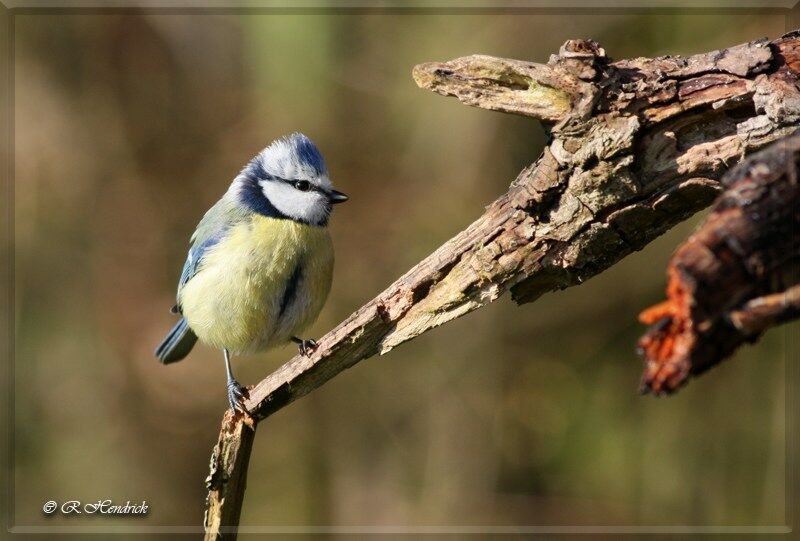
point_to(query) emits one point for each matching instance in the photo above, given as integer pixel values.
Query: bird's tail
(178, 343)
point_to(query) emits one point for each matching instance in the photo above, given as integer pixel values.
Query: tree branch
(735, 277)
(227, 477)
(636, 147)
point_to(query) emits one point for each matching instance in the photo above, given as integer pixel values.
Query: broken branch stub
(735, 277)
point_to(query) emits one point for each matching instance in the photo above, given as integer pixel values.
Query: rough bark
(735, 277)
(227, 476)
(636, 146)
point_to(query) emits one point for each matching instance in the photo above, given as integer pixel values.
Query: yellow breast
(238, 299)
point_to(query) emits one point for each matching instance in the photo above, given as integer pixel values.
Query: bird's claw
(307, 346)
(237, 395)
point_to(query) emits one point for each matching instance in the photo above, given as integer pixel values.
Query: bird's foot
(237, 395)
(306, 346)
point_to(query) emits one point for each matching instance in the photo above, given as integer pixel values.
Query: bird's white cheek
(308, 206)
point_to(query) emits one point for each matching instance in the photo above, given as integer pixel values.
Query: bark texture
(635, 147)
(227, 477)
(735, 277)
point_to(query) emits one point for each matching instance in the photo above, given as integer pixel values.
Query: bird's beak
(337, 197)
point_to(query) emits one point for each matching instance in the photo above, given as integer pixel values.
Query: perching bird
(260, 261)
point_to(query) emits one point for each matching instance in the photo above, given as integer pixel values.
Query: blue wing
(211, 229)
(196, 253)
(193, 260)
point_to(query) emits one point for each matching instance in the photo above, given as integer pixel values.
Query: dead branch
(227, 476)
(735, 277)
(636, 146)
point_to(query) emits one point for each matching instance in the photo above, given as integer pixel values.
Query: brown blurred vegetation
(129, 126)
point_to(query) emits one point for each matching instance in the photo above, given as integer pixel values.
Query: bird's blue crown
(287, 158)
(307, 153)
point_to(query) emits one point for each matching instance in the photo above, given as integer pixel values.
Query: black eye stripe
(293, 183)
(302, 185)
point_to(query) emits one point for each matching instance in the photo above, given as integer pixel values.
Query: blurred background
(128, 126)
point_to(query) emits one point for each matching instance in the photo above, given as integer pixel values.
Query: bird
(260, 261)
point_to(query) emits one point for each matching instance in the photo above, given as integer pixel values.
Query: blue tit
(260, 261)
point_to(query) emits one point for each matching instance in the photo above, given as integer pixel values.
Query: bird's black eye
(302, 185)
